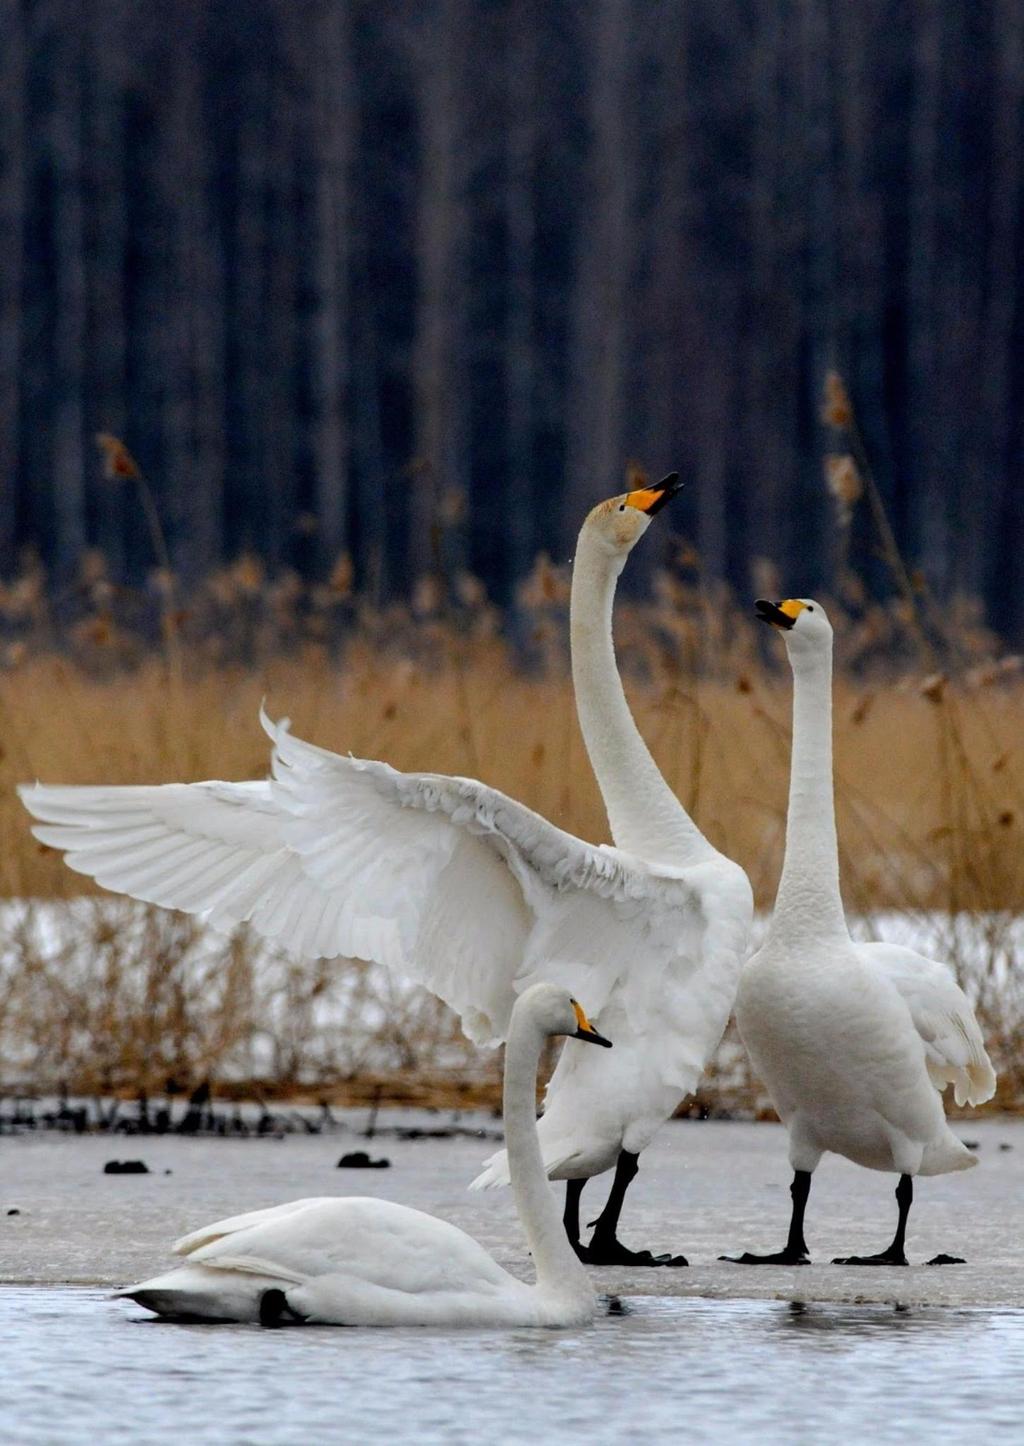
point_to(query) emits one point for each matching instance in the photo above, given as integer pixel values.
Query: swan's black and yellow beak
(586, 1030)
(780, 614)
(652, 499)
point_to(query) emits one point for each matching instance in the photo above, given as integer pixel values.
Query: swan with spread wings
(461, 888)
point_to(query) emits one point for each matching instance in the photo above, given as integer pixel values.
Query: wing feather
(954, 1047)
(232, 1224)
(444, 880)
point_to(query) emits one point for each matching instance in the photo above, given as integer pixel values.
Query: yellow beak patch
(644, 498)
(792, 607)
(581, 1018)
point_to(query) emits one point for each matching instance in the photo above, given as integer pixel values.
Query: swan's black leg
(605, 1248)
(896, 1253)
(795, 1252)
(571, 1215)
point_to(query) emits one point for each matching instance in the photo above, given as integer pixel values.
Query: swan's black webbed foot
(884, 1257)
(943, 1259)
(611, 1251)
(605, 1248)
(895, 1254)
(781, 1257)
(795, 1249)
(275, 1310)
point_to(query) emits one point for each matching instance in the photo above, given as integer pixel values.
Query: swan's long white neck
(644, 814)
(559, 1272)
(809, 901)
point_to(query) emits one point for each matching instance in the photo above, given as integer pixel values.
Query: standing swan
(470, 893)
(853, 1041)
(367, 1262)
(591, 1120)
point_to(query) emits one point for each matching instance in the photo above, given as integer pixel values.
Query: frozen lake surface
(716, 1352)
(80, 1368)
(703, 1188)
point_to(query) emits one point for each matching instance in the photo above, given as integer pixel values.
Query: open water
(76, 1366)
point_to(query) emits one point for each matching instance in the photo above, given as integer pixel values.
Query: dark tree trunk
(111, 71)
(602, 294)
(520, 345)
(928, 425)
(13, 103)
(194, 406)
(440, 381)
(334, 130)
(68, 423)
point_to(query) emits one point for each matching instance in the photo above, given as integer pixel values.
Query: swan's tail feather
(173, 1304)
(197, 1292)
(556, 1157)
(178, 1295)
(945, 1155)
(975, 1084)
(494, 1174)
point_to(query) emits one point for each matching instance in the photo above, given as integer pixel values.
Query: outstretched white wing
(445, 880)
(943, 1017)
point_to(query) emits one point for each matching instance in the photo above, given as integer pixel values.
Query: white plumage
(369, 1262)
(466, 891)
(352, 1261)
(445, 880)
(670, 1010)
(853, 1041)
(953, 1045)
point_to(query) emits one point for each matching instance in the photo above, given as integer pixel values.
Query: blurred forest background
(337, 270)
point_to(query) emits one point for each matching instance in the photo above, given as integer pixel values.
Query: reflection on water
(845, 1322)
(77, 1367)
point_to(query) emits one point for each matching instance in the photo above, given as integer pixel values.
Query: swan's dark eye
(622, 506)
(810, 607)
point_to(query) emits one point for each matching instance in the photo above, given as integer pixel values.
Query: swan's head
(621, 521)
(803, 622)
(554, 1011)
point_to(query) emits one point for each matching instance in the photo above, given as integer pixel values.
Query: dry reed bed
(930, 777)
(930, 789)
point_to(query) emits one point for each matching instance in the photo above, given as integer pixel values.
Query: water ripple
(78, 1367)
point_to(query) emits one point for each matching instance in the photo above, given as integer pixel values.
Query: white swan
(457, 886)
(367, 1262)
(593, 1120)
(854, 1042)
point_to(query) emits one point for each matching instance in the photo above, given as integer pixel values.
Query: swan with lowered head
(855, 1042)
(368, 1262)
(468, 892)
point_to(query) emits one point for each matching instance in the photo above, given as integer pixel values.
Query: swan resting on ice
(368, 1262)
(854, 1042)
